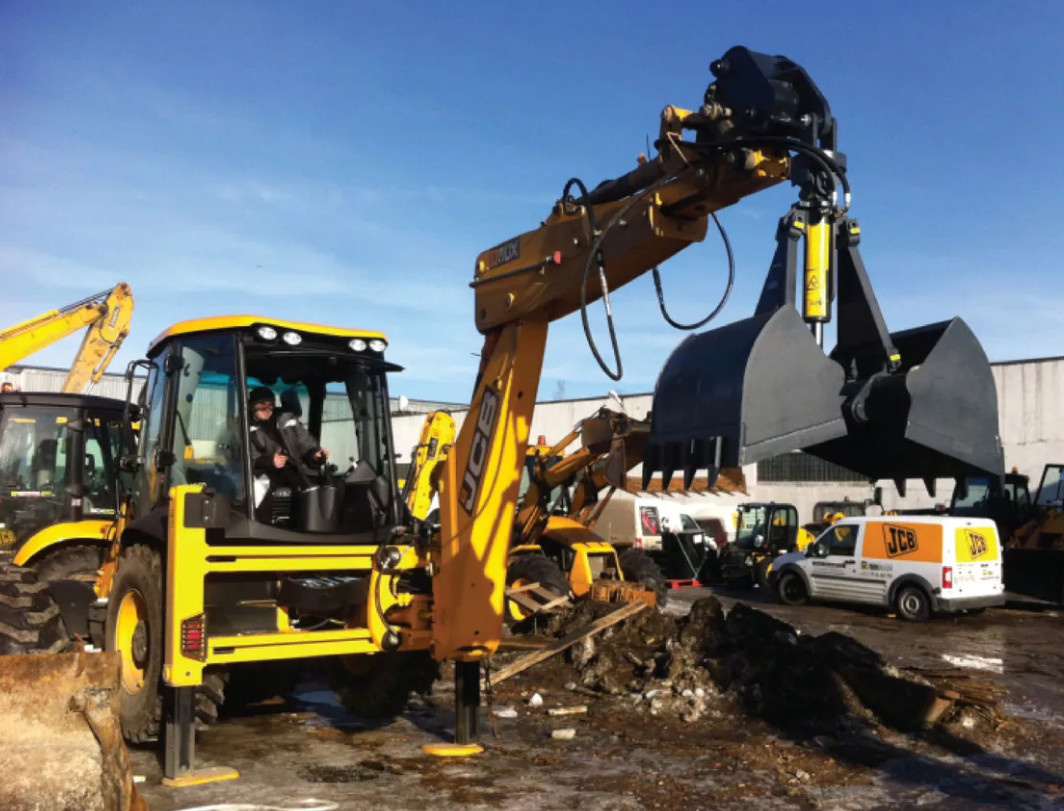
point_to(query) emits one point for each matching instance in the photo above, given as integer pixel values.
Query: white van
(637, 520)
(914, 564)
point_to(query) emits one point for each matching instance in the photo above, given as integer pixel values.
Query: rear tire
(791, 589)
(913, 604)
(532, 568)
(29, 618)
(641, 568)
(77, 562)
(379, 685)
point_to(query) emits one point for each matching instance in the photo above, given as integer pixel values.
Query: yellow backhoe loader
(554, 543)
(214, 567)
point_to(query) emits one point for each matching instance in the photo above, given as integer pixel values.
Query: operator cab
(328, 383)
(58, 456)
(769, 527)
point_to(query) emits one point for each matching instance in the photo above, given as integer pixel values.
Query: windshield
(751, 523)
(33, 450)
(341, 401)
(975, 501)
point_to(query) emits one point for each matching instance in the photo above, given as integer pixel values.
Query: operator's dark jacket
(266, 440)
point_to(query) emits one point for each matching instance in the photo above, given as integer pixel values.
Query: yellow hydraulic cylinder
(818, 252)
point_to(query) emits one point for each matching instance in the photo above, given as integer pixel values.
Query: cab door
(833, 566)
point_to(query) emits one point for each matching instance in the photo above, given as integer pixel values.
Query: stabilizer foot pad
(198, 777)
(452, 749)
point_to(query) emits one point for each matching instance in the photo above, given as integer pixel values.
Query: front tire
(135, 629)
(532, 568)
(791, 589)
(640, 568)
(913, 604)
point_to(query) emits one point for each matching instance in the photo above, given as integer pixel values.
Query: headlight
(357, 344)
(292, 338)
(377, 345)
(267, 333)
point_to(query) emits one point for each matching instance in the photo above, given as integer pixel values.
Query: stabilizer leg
(179, 743)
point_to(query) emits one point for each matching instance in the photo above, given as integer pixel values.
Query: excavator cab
(327, 391)
(58, 466)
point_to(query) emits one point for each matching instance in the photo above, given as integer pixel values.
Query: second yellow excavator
(106, 315)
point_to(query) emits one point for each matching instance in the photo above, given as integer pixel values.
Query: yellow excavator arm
(595, 242)
(105, 315)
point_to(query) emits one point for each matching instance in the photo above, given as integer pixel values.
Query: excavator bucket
(62, 737)
(762, 387)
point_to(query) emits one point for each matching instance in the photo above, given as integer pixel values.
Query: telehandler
(200, 577)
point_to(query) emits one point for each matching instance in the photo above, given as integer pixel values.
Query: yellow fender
(96, 531)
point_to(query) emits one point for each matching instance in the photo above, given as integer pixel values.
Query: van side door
(832, 575)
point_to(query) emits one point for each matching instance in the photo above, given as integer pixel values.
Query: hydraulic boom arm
(740, 394)
(106, 315)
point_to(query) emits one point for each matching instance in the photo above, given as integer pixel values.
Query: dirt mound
(805, 685)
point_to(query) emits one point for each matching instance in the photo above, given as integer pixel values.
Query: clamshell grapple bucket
(918, 404)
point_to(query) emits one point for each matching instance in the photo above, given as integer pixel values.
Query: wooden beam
(601, 624)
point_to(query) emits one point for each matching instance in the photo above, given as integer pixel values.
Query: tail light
(194, 638)
(947, 577)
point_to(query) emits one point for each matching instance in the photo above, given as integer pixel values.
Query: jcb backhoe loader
(554, 541)
(207, 574)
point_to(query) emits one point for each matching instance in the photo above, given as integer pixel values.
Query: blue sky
(344, 163)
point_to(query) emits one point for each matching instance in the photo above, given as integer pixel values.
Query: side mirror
(164, 459)
(130, 463)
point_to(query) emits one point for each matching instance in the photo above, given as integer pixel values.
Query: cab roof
(216, 323)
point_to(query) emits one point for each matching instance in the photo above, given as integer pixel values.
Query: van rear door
(978, 560)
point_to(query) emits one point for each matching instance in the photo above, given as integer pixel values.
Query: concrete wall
(1031, 413)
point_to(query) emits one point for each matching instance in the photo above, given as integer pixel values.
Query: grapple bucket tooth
(762, 386)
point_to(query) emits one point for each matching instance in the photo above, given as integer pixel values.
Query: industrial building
(1030, 408)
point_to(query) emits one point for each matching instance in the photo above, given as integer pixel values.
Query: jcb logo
(899, 540)
(977, 546)
(478, 453)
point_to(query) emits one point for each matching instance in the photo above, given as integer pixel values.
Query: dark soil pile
(805, 685)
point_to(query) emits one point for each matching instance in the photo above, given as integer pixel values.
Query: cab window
(841, 539)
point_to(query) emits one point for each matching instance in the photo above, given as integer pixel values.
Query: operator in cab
(283, 452)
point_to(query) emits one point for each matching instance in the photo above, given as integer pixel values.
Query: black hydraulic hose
(723, 299)
(595, 254)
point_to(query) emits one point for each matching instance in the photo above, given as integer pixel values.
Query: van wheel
(791, 589)
(912, 604)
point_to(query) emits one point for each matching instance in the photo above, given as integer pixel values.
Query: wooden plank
(601, 624)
